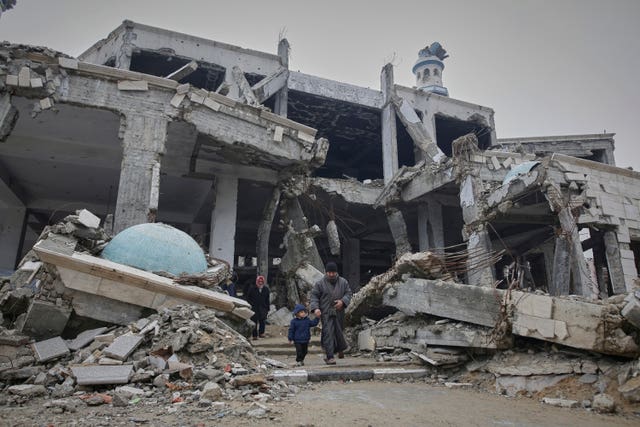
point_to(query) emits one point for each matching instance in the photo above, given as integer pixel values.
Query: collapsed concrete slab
(96, 276)
(573, 323)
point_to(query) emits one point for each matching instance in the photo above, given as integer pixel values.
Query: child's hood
(298, 308)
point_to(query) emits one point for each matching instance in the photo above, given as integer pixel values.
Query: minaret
(428, 69)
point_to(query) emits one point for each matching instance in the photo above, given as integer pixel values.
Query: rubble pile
(183, 355)
(453, 330)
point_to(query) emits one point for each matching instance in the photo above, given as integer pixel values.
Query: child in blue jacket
(299, 332)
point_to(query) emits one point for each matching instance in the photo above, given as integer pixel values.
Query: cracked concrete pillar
(479, 271)
(389, 131)
(351, 262)
(222, 243)
(12, 221)
(282, 97)
(143, 144)
(264, 232)
(398, 228)
(430, 227)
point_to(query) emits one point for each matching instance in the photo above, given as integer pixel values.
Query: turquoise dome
(156, 247)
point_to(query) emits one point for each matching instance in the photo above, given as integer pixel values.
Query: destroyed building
(232, 147)
(276, 172)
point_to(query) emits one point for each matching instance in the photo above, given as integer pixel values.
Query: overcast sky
(547, 67)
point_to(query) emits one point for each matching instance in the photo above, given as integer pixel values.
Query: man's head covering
(331, 266)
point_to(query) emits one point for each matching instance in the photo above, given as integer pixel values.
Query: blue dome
(156, 247)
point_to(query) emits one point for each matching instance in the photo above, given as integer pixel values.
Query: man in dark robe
(329, 297)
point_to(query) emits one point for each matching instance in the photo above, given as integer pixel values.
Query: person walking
(329, 297)
(300, 332)
(258, 297)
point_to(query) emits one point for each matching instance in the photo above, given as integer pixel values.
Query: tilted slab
(573, 323)
(102, 374)
(123, 283)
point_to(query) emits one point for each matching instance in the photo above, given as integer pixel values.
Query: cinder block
(102, 374)
(123, 346)
(50, 349)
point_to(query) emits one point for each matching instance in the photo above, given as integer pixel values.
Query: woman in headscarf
(258, 297)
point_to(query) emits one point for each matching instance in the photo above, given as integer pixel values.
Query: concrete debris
(603, 403)
(280, 317)
(562, 403)
(50, 349)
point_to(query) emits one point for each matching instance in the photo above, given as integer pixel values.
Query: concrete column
(600, 262)
(560, 284)
(430, 227)
(547, 252)
(264, 232)
(389, 131)
(12, 220)
(351, 262)
(398, 228)
(282, 97)
(614, 262)
(479, 271)
(223, 219)
(139, 188)
(581, 277)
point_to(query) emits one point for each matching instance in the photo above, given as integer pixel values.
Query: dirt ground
(333, 403)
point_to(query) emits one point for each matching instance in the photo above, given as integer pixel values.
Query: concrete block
(183, 89)
(27, 390)
(631, 312)
(37, 82)
(291, 377)
(141, 85)
(12, 80)
(210, 103)
(196, 98)
(70, 63)
(365, 341)
(281, 317)
(84, 338)
(177, 99)
(24, 77)
(46, 103)
(50, 349)
(393, 373)
(123, 346)
(45, 320)
(88, 219)
(562, 403)
(278, 134)
(306, 137)
(95, 375)
(496, 163)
